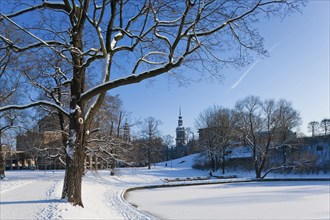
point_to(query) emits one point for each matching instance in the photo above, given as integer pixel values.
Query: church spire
(180, 131)
(180, 121)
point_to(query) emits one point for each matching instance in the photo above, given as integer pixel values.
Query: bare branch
(30, 105)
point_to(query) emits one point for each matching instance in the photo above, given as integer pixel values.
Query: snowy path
(32, 199)
(36, 194)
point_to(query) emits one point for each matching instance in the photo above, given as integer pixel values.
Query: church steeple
(180, 121)
(180, 132)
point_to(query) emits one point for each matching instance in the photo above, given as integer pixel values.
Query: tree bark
(149, 164)
(2, 161)
(75, 149)
(65, 181)
(76, 157)
(258, 173)
(223, 164)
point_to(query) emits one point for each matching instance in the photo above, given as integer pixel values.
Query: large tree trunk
(2, 160)
(258, 173)
(2, 163)
(223, 163)
(149, 158)
(67, 177)
(256, 167)
(76, 153)
(75, 148)
(65, 181)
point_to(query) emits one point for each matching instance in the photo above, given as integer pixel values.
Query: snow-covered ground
(36, 194)
(253, 200)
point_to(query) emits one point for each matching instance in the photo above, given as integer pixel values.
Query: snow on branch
(296, 165)
(33, 104)
(45, 4)
(126, 80)
(41, 42)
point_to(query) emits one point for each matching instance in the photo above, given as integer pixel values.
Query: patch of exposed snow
(239, 152)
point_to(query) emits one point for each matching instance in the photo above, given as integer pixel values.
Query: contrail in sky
(246, 72)
(251, 67)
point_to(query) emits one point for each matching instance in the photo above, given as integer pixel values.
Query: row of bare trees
(9, 93)
(319, 128)
(61, 45)
(263, 125)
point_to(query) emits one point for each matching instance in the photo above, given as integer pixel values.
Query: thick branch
(132, 79)
(30, 105)
(45, 4)
(32, 46)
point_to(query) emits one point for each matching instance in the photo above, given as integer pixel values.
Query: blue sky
(296, 70)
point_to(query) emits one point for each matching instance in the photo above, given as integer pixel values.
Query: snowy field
(36, 194)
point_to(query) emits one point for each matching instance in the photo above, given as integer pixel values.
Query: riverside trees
(216, 132)
(261, 125)
(132, 41)
(265, 125)
(317, 128)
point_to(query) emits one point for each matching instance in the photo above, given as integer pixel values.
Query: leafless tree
(111, 116)
(7, 122)
(325, 126)
(135, 40)
(168, 142)
(313, 127)
(264, 126)
(8, 94)
(107, 138)
(150, 132)
(215, 126)
(289, 119)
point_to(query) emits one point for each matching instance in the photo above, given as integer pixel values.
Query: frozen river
(253, 200)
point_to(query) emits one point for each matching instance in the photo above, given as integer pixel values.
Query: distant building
(16, 160)
(43, 146)
(49, 123)
(126, 134)
(180, 139)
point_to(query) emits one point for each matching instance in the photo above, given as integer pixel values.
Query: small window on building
(319, 148)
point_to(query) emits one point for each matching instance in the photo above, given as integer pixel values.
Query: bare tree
(8, 94)
(8, 87)
(325, 126)
(150, 37)
(107, 138)
(111, 116)
(264, 126)
(7, 122)
(168, 141)
(289, 119)
(313, 127)
(215, 126)
(150, 132)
